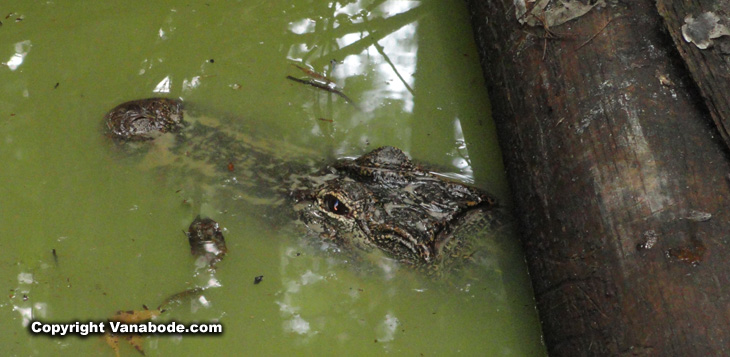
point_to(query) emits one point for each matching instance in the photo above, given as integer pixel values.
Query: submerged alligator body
(379, 201)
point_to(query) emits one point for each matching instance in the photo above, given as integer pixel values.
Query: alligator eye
(335, 206)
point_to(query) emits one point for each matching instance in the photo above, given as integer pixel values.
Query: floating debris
(258, 279)
(325, 87)
(177, 299)
(130, 317)
(315, 74)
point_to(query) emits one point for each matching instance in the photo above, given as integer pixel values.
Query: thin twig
(325, 87)
(549, 34)
(594, 35)
(313, 74)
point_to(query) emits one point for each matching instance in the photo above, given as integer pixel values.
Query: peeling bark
(619, 178)
(701, 32)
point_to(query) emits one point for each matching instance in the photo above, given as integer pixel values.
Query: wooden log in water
(619, 176)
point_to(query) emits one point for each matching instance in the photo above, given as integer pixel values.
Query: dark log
(701, 31)
(619, 179)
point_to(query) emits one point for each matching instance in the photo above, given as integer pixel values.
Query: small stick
(325, 87)
(313, 74)
(594, 35)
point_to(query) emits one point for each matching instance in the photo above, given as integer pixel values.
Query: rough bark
(701, 32)
(619, 178)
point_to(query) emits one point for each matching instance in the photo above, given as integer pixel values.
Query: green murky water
(411, 67)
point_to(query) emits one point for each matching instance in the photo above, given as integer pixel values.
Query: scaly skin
(381, 200)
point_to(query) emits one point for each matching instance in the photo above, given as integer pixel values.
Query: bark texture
(701, 31)
(619, 178)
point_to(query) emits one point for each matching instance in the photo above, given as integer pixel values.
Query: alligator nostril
(301, 195)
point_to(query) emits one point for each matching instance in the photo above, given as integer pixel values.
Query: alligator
(380, 201)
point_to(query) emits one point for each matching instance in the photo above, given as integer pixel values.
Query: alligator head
(382, 200)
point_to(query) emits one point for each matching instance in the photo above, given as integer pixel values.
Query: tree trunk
(701, 31)
(619, 177)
